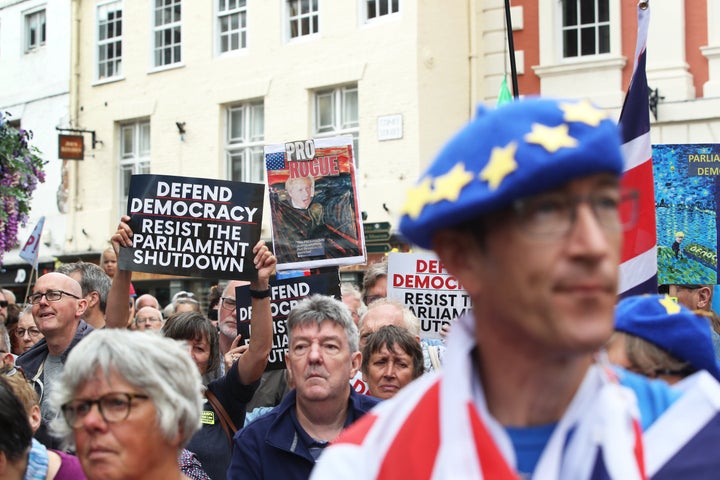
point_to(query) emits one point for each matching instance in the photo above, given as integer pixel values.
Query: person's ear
(35, 418)
(356, 362)
(704, 298)
(288, 369)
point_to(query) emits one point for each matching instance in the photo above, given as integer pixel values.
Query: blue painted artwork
(687, 181)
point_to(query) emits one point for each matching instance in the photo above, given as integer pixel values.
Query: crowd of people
(550, 375)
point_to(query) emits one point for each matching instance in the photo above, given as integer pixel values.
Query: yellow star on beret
(417, 197)
(671, 306)
(449, 185)
(502, 163)
(551, 138)
(583, 112)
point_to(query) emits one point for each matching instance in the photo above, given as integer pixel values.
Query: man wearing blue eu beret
(524, 207)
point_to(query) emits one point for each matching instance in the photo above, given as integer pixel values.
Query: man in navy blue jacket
(322, 357)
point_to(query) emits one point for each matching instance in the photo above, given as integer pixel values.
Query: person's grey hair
(5, 344)
(159, 367)
(93, 279)
(316, 309)
(9, 295)
(373, 273)
(412, 323)
(347, 288)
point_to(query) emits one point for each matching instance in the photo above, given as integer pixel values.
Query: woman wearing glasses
(129, 404)
(27, 333)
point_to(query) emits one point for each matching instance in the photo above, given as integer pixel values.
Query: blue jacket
(33, 359)
(272, 446)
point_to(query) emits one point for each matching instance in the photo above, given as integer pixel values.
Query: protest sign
(421, 283)
(193, 227)
(687, 185)
(313, 195)
(284, 295)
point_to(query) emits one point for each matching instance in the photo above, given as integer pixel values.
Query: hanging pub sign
(71, 147)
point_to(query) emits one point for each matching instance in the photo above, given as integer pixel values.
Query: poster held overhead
(315, 211)
(193, 227)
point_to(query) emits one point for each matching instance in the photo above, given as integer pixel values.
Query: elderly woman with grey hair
(129, 404)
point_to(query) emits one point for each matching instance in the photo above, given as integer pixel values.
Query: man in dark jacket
(57, 307)
(322, 357)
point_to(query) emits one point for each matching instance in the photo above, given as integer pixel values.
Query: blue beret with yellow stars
(518, 149)
(662, 321)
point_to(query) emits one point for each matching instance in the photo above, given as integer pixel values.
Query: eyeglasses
(147, 320)
(553, 215)
(228, 303)
(114, 407)
(3, 303)
(50, 296)
(33, 332)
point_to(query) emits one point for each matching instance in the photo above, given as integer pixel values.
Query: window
(336, 113)
(109, 40)
(166, 32)
(232, 24)
(244, 142)
(303, 16)
(586, 27)
(34, 30)
(380, 8)
(134, 156)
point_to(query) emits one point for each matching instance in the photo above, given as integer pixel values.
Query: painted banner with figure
(315, 213)
(687, 186)
(193, 227)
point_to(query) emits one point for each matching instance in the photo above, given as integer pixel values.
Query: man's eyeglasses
(3, 303)
(553, 215)
(33, 332)
(50, 296)
(228, 303)
(114, 407)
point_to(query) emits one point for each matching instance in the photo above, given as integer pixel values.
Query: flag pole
(511, 48)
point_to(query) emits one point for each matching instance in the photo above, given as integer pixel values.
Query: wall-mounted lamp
(653, 100)
(181, 130)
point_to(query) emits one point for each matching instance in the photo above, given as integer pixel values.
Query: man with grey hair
(147, 390)
(322, 357)
(95, 285)
(3, 307)
(6, 356)
(149, 318)
(375, 282)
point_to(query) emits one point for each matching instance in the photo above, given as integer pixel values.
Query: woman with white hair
(129, 404)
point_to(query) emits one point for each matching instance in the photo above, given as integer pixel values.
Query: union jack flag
(638, 268)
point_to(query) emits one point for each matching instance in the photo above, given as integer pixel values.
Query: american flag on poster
(638, 268)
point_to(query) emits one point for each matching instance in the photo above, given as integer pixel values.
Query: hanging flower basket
(21, 168)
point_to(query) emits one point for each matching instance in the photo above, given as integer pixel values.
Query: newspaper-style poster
(687, 180)
(315, 213)
(422, 284)
(193, 227)
(284, 295)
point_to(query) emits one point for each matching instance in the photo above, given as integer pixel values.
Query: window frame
(173, 26)
(28, 17)
(248, 145)
(137, 161)
(339, 124)
(365, 10)
(241, 31)
(101, 43)
(290, 18)
(596, 25)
